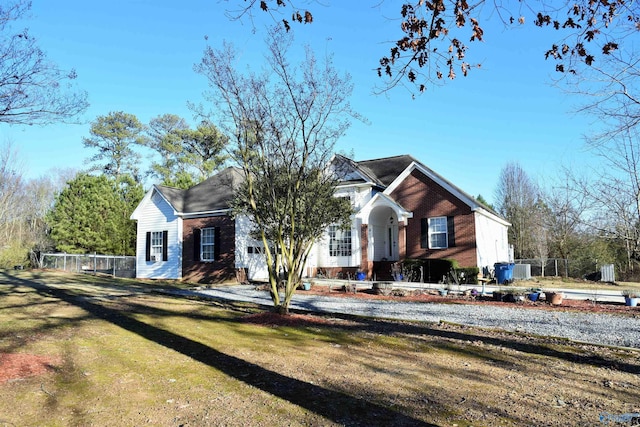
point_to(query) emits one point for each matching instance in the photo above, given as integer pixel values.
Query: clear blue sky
(137, 56)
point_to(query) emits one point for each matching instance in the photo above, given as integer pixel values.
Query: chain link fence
(117, 266)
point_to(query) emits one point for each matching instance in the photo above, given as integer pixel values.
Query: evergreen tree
(114, 136)
(187, 156)
(91, 214)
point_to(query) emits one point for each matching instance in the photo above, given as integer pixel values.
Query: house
(403, 210)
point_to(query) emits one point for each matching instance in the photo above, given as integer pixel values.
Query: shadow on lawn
(334, 405)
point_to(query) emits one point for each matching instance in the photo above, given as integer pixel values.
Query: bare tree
(11, 185)
(613, 193)
(517, 200)
(283, 124)
(33, 90)
(565, 221)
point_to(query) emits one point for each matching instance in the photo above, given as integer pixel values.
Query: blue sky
(138, 57)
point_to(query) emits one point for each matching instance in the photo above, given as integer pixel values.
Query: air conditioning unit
(155, 258)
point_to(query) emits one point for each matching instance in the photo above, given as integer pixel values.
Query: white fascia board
(358, 185)
(480, 210)
(219, 212)
(134, 215)
(147, 199)
(380, 199)
(437, 179)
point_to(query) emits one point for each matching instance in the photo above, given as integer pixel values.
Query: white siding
(319, 256)
(255, 263)
(491, 240)
(155, 214)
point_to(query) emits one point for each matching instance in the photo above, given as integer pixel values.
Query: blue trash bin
(504, 272)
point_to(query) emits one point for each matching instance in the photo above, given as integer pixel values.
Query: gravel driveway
(597, 328)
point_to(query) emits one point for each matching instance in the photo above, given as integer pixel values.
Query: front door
(385, 242)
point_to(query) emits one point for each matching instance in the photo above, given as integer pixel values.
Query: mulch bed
(16, 366)
(427, 296)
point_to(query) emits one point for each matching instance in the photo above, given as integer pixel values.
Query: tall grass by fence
(117, 266)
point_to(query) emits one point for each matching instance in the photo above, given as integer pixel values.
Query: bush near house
(433, 270)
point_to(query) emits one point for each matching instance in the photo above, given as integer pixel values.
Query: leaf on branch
(589, 60)
(263, 6)
(477, 32)
(553, 52)
(607, 48)
(542, 20)
(287, 27)
(308, 18)
(521, 20)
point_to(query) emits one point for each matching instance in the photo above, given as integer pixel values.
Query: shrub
(469, 276)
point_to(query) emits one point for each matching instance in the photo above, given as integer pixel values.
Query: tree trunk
(282, 309)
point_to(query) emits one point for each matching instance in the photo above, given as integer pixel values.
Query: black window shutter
(424, 233)
(451, 232)
(216, 243)
(196, 244)
(148, 247)
(165, 241)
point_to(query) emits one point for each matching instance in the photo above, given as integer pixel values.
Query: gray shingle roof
(216, 193)
(385, 170)
(212, 194)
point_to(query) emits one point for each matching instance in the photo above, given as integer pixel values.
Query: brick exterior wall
(426, 199)
(220, 270)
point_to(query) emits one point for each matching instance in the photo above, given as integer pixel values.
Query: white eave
(146, 199)
(381, 199)
(218, 212)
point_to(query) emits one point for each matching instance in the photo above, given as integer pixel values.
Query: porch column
(364, 256)
(402, 241)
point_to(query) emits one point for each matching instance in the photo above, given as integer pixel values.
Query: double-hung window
(156, 246)
(339, 241)
(208, 244)
(438, 233)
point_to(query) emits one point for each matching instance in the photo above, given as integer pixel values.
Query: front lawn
(101, 351)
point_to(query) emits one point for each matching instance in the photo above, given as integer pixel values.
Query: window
(156, 249)
(339, 241)
(207, 244)
(438, 232)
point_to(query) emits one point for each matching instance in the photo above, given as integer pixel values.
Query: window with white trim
(339, 241)
(438, 233)
(156, 245)
(207, 244)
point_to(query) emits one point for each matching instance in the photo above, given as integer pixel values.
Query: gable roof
(384, 171)
(388, 172)
(213, 194)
